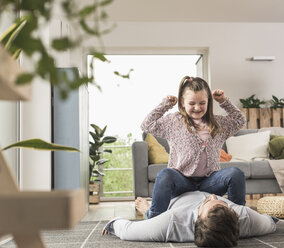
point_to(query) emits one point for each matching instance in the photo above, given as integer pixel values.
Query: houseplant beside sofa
(260, 178)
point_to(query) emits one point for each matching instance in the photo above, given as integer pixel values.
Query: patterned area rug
(88, 234)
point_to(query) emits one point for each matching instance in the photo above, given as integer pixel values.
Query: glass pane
(115, 180)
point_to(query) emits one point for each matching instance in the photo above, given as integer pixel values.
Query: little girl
(195, 136)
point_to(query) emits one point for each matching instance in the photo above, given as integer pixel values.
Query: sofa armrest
(140, 168)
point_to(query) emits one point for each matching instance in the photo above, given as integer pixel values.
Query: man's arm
(257, 224)
(154, 229)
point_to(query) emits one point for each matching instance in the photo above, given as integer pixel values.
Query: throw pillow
(156, 152)
(225, 157)
(274, 130)
(249, 146)
(276, 147)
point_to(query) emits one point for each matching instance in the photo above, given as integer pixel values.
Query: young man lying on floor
(206, 219)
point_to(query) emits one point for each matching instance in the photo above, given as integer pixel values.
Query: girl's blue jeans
(171, 183)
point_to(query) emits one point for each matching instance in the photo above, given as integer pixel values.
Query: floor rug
(88, 234)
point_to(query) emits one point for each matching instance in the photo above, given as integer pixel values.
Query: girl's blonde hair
(197, 84)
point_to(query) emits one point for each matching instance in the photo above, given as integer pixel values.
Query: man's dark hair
(220, 228)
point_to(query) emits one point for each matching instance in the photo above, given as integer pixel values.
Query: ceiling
(197, 10)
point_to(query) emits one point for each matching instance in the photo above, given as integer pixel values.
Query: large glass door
(124, 103)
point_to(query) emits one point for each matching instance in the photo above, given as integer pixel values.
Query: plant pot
(94, 193)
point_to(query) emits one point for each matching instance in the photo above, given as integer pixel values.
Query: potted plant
(251, 102)
(276, 103)
(251, 108)
(96, 161)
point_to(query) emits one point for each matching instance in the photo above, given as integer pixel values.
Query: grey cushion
(246, 131)
(150, 188)
(153, 170)
(261, 169)
(244, 166)
(262, 186)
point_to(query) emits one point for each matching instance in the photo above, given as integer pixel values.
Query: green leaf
(94, 148)
(107, 150)
(100, 56)
(24, 78)
(251, 97)
(36, 7)
(102, 161)
(103, 131)
(95, 158)
(31, 46)
(94, 136)
(123, 76)
(12, 33)
(97, 172)
(63, 44)
(41, 145)
(97, 129)
(17, 53)
(87, 29)
(104, 15)
(68, 7)
(46, 69)
(105, 2)
(109, 139)
(275, 98)
(91, 162)
(88, 10)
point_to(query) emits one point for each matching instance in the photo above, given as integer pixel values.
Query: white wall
(230, 46)
(36, 123)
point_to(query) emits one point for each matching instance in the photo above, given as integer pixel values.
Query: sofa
(260, 178)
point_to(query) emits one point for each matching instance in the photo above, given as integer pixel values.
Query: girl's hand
(173, 100)
(218, 95)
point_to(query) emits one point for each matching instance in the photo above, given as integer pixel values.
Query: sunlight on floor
(110, 210)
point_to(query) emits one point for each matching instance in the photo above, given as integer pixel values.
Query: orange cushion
(225, 157)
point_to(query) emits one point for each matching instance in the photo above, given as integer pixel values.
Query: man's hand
(104, 231)
(218, 95)
(173, 100)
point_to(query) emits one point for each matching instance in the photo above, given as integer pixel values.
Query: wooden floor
(110, 210)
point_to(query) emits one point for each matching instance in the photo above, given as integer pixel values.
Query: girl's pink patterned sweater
(186, 147)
